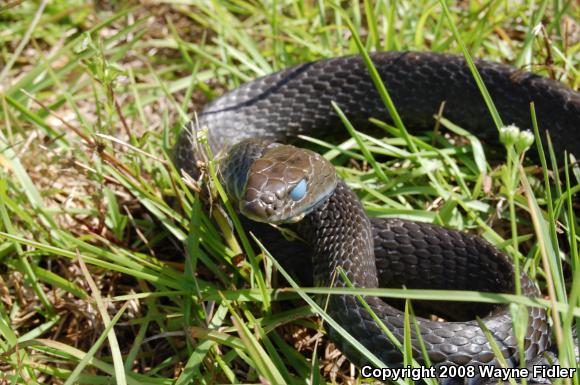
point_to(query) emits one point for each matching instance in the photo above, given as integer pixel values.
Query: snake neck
(340, 234)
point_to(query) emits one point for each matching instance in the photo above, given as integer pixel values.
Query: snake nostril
(268, 198)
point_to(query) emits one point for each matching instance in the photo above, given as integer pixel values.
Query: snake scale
(268, 180)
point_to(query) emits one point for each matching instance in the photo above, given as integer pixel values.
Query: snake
(254, 128)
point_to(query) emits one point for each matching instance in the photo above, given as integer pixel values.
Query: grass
(113, 271)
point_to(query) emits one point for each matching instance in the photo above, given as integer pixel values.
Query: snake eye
(298, 191)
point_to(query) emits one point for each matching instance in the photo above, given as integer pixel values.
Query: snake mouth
(297, 218)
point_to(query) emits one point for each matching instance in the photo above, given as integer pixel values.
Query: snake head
(276, 183)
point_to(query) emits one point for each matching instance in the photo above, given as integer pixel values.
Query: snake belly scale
(249, 124)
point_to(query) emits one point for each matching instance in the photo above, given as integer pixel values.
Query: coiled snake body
(276, 183)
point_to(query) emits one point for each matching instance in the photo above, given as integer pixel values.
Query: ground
(112, 270)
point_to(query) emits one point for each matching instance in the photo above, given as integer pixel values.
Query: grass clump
(114, 270)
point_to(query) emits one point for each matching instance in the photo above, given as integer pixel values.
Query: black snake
(273, 182)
